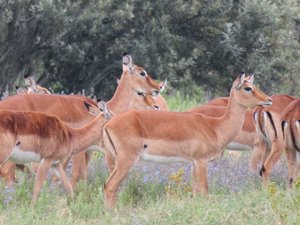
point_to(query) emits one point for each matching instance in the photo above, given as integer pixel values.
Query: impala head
(144, 100)
(247, 95)
(138, 76)
(29, 80)
(102, 108)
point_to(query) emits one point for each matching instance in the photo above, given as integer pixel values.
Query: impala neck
(121, 98)
(230, 124)
(88, 135)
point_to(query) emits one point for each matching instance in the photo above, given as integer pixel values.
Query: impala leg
(123, 165)
(291, 156)
(199, 177)
(79, 169)
(64, 179)
(7, 172)
(256, 156)
(277, 148)
(40, 178)
(110, 161)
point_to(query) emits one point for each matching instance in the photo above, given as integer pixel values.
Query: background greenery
(197, 45)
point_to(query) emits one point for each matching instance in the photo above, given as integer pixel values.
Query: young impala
(27, 137)
(159, 135)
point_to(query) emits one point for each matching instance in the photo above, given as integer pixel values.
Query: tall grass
(157, 193)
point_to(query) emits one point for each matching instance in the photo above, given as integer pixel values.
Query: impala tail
(259, 122)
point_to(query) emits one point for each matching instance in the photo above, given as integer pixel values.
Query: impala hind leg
(291, 156)
(277, 148)
(40, 178)
(64, 179)
(121, 170)
(110, 161)
(199, 177)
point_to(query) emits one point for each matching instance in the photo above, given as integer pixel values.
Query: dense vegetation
(198, 45)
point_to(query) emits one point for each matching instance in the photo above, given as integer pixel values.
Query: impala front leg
(199, 177)
(64, 179)
(40, 178)
(79, 168)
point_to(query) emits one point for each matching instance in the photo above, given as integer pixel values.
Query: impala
(268, 126)
(32, 87)
(38, 137)
(135, 86)
(159, 135)
(290, 122)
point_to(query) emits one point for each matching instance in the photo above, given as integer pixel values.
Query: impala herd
(45, 130)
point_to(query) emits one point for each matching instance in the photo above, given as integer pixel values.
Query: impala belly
(237, 146)
(158, 158)
(168, 151)
(19, 156)
(95, 148)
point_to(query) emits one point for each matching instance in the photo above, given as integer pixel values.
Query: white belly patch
(20, 156)
(158, 158)
(237, 146)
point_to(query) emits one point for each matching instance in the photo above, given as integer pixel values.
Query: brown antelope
(32, 86)
(135, 86)
(38, 137)
(290, 124)
(268, 126)
(159, 135)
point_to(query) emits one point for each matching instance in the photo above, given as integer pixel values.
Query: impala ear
(104, 109)
(92, 109)
(250, 78)
(240, 80)
(127, 62)
(163, 85)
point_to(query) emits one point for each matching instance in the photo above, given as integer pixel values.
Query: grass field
(160, 194)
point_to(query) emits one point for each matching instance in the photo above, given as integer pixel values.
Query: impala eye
(155, 93)
(140, 93)
(248, 89)
(143, 74)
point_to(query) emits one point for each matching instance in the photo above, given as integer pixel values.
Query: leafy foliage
(75, 45)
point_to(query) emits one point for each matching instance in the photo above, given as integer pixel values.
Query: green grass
(149, 203)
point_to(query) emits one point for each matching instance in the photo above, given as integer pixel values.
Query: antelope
(268, 126)
(290, 125)
(32, 86)
(135, 86)
(162, 135)
(38, 137)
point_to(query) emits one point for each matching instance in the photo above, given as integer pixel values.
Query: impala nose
(269, 102)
